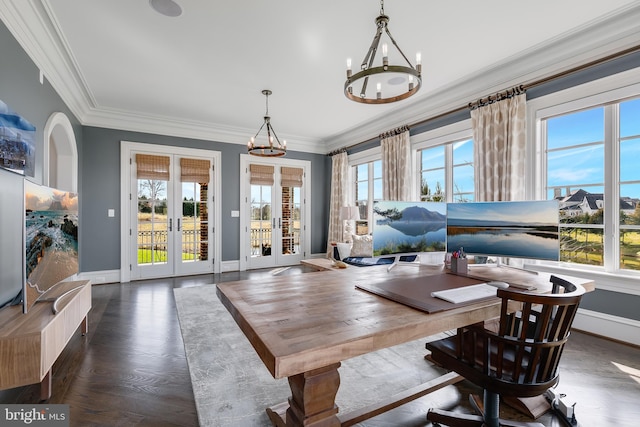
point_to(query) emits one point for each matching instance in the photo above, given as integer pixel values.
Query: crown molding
(34, 27)
(596, 40)
(30, 24)
(170, 126)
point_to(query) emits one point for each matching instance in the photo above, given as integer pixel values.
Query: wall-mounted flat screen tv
(11, 238)
(408, 227)
(527, 229)
(51, 238)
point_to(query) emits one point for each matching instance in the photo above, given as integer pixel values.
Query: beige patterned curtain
(339, 183)
(499, 149)
(396, 167)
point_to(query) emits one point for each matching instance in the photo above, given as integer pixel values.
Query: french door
(171, 214)
(274, 212)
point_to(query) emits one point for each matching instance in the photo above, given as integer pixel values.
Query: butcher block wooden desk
(302, 326)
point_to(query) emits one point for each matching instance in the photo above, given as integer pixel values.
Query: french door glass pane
(194, 225)
(290, 220)
(152, 239)
(260, 220)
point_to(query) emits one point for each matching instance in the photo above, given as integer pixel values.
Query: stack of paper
(466, 293)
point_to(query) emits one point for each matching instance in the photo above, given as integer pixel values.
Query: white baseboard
(99, 277)
(608, 326)
(226, 266)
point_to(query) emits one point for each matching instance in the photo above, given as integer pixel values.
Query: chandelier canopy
(269, 149)
(392, 82)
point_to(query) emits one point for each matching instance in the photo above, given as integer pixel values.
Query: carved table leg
(312, 401)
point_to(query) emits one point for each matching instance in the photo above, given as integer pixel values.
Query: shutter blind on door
(152, 167)
(194, 170)
(261, 174)
(291, 177)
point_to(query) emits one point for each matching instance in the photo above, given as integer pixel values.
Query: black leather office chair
(519, 359)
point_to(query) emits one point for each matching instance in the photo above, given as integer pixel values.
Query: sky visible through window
(582, 164)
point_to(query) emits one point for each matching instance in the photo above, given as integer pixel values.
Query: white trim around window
(596, 93)
(458, 131)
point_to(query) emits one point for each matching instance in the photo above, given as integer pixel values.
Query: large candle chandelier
(392, 82)
(270, 149)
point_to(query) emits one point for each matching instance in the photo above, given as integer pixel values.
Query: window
(591, 169)
(434, 165)
(368, 188)
(445, 164)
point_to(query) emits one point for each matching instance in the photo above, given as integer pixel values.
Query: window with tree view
(453, 160)
(368, 187)
(591, 158)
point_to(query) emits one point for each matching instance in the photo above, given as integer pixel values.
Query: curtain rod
(505, 94)
(393, 132)
(524, 86)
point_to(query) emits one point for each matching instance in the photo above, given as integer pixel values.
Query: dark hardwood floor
(130, 369)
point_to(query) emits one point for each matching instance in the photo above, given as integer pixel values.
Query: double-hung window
(366, 178)
(445, 164)
(589, 150)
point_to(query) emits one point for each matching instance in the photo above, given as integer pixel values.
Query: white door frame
(245, 192)
(126, 176)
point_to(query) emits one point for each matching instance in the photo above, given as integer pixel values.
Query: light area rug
(232, 387)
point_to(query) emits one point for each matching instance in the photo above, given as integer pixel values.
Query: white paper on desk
(466, 293)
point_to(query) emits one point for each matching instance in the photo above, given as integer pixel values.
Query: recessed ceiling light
(166, 7)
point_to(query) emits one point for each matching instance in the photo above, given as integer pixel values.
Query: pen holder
(459, 265)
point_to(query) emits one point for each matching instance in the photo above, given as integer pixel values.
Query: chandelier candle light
(393, 76)
(269, 150)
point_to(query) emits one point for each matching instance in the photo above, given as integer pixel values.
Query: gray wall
(99, 169)
(100, 174)
(21, 90)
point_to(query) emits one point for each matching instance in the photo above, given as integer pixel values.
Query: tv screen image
(11, 237)
(408, 227)
(527, 229)
(51, 237)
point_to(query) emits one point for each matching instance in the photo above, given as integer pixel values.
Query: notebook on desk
(417, 292)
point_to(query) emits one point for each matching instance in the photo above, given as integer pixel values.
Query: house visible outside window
(591, 157)
(368, 187)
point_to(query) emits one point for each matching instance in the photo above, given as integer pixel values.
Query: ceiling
(120, 64)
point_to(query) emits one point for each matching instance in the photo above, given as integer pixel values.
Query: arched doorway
(60, 164)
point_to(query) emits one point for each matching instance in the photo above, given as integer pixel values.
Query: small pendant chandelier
(392, 82)
(269, 150)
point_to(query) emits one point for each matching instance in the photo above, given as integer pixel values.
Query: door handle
(279, 222)
(178, 224)
(170, 224)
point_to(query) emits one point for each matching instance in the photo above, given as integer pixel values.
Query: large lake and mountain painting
(51, 239)
(406, 227)
(508, 229)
